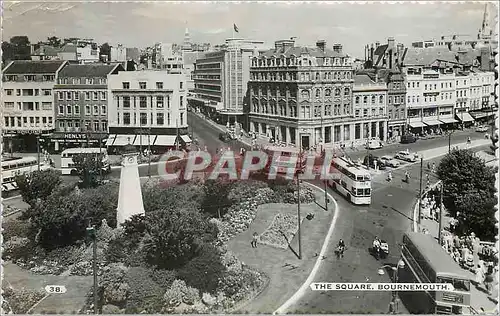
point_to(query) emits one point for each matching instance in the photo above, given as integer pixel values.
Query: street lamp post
(420, 190)
(298, 209)
(92, 233)
(149, 152)
(38, 150)
(394, 279)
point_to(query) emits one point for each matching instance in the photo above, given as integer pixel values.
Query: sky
(141, 24)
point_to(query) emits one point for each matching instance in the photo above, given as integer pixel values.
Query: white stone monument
(130, 194)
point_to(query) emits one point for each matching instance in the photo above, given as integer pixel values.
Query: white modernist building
(147, 107)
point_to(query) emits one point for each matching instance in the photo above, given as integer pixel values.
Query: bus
(67, 164)
(427, 262)
(351, 180)
(16, 166)
(280, 164)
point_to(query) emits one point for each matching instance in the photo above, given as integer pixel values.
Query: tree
(216, 199)
(21, 48)
(88, 167)
(38, 185)
(175, 237)
(54, 41)
(105, 49)
(158, 198)
(469, 188)
(7, 52)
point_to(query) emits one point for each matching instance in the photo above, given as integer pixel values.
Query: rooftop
(33, 67)
(89, 70)
(426, 56)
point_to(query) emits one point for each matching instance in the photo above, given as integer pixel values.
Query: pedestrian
(479, 276)
(254, 240)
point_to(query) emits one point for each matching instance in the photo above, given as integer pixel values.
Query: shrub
(19, 301)
(18, 248)
(204, 271)
(15, 227)
(237, 284)
(144, 293)
(113, 288)
(163, 278)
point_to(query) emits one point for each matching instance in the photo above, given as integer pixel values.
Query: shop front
(25, 140)
(64, 140)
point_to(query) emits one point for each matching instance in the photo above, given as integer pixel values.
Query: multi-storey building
(302, 96)
(482, 104)
(396, 102)
(28, 102)
(462, 94)
(370, 109)
(147, 107)
(80, 99)
(431, 98)
(221, 78)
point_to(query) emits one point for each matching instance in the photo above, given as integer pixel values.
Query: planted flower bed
(281, 231)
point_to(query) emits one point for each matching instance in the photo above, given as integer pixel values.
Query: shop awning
(448, 120)
(144, 140)
(465, 117)
(186, 139)
(432, 122)
(9, 186)
(165, 140)
(481, 114)
(110, 140)
(122, 140)
(416, 124)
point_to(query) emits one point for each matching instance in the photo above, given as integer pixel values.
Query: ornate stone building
(301, 95)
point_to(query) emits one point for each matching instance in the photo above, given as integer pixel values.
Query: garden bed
(281, 231)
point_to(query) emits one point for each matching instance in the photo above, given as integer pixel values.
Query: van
(408, 139)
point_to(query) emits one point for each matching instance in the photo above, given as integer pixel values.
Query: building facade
(28, 102)
(147, 107)
(302, 96)
(80, 103)
(221, 80)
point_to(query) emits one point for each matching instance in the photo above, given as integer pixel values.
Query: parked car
(482, 129)
(390, 161)
(380, 163)
(406, 156)
(408, 139)
(374, 144)
(224, 137)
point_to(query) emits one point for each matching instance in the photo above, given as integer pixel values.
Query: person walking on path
(254, 240)
(479, 276)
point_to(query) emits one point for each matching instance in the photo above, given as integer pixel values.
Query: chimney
(321, 45)
(337, 48)
(377, 44)
(278, 45)
(390, 43)
(371, 53)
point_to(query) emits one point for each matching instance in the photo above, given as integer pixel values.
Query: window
(103, 95)
(77, 109)
(142, 85)
(425, 87)
(143, 102)
(87, 109)
(126, 118)
(18, 93)
(365, 99)
(61, 109)
(143, 118)
(180, 85)
(318, 93)
(95, 95)
(87, 95)
(181, 102)
(103, 109)
(126, 102)
(61, 124)
(160, 119)
(337, 92)
(159, 85)
(346, 92)
(96, 110)
(60, 95)
(68, 109)
(68, 95)
(96, 126)
(76, 95)
(9, 91)
(182, 118)
(159, 101)
(328, 92)
(104, 125)
(89, 81)
(357, 100)
(373, 99)
(126, 85)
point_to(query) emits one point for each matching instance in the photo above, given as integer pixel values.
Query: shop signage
(78, 136)
(24, 132)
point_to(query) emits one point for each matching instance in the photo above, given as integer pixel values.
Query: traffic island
(286, 272)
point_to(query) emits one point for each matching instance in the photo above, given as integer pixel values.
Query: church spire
(485, 27)
(187, 45)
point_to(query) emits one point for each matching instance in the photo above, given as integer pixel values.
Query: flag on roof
(235, 28)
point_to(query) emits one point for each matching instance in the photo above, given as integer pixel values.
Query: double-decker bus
(351, 180)
(283, 159)
(16, 166)
(67, 164)
(427, 262)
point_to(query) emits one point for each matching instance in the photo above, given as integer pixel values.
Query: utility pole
(177, 134)
(92, 233)
(420, 199)
(298, 208)
(38, 150)
(449, 143)
(326, 197)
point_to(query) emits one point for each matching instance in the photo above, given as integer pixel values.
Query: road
(388, 217)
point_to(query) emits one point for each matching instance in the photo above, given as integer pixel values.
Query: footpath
(287, 274)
